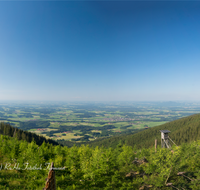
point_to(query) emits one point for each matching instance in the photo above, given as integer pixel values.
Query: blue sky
(100, 51)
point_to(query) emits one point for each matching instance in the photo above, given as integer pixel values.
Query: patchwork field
(89, 121)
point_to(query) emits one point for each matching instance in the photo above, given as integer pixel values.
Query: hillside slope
(183, 130)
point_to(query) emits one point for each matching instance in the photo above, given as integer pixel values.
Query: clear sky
(100, 51)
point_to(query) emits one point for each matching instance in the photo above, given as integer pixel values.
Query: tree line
(7, 129)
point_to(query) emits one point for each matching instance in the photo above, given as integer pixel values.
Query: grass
(76, 131)
(153, 124)
(96, 131)
(32, 130)
(68, 136)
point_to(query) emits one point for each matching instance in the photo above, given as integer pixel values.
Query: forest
(25, 166)
(7, 129)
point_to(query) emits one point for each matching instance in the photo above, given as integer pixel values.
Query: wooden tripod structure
(165, 139)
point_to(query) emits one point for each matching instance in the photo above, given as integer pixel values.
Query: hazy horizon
(100, 51)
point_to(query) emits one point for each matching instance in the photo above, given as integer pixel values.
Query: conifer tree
(14, 135)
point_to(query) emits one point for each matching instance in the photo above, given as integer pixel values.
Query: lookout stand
(165, 139)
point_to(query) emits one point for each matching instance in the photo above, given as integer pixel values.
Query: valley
(84, 122)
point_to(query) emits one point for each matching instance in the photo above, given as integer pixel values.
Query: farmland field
(80, 121)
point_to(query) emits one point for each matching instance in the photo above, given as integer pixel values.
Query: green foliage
(86, 167)
(101, 168)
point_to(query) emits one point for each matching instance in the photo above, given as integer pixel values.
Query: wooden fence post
(51, 180)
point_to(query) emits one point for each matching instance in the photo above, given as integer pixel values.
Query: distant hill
(183, 130)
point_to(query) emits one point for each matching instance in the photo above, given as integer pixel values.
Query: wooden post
(155, 144)
(51, 181)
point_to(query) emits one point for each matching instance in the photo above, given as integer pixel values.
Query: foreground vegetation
(86, 168)
(122, 162)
